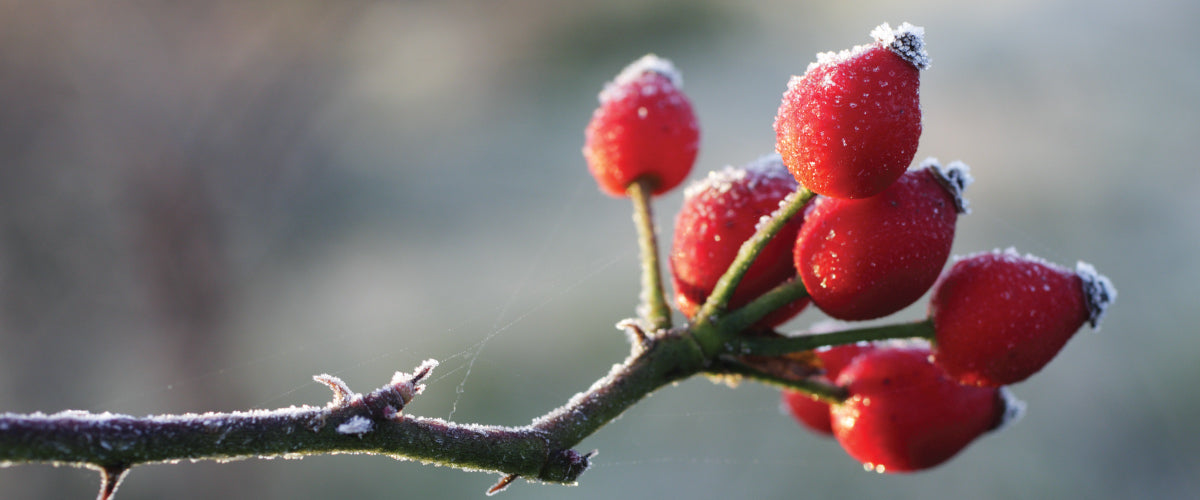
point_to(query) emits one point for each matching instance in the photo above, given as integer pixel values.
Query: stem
(654, 309)
(765, 304)
(826, 392)
(719, 298)
(784, 345)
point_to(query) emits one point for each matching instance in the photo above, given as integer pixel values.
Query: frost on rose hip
(868, 258)
(644, 127)
(999, 317)
(904, 414)
(849, 126)
(719, 213)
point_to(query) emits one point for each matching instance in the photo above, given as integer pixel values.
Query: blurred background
(202, 204)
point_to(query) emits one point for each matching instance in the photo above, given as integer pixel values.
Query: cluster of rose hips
(874, 241)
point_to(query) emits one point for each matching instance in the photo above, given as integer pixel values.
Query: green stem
(824, 391)
(709, 337)
(654, 309)
(785, 345)
(765, 304)
(719, 298)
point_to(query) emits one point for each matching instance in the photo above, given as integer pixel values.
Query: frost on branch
(341, 392)
(383, 403)
(357, 424)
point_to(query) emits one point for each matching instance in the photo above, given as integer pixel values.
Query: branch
(374, 423)
(354, 423)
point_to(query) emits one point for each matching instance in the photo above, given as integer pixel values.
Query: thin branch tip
(341, 392)
(502, 484)
(110, 479)
(634, 330)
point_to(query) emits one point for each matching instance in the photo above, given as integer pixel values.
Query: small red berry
(999, 317)
(644, 127)
(849, 126)
(721, 212)
(810, 411)
(868, 258)
(904, 414)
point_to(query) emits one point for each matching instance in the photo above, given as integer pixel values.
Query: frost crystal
(1098, 290)
(357, 424)
(955, 177)
(719, 181)
(649, 63)
(907, 41)
(1014, 409)
(1012, 255)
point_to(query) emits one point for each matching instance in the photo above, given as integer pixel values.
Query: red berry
(721, 212)
(904, 414)
(810, 411)
(849, 126)
(868, 258)
(644, 127)
(1000, 317)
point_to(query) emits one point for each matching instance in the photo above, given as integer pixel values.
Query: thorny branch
(375, 423)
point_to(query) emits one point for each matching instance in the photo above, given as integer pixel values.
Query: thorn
(388, 401)
(631, 326)
(502, 484)
(341, 392)
(110, 479)
(423, 370)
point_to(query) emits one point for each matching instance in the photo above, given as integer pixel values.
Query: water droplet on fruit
(642, 112)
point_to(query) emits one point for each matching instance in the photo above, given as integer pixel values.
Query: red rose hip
(904, 414)
(644, 127)
(1000, 317)
(721, 212)
(849, 126)
(868, 258)
(810, 411)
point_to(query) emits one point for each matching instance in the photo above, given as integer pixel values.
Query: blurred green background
(202, 204)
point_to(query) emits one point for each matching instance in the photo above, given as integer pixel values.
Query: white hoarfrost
(954, 177)
(1014, 409)
(648, 63)
(1011, 254)
(357, 424)
(1098, 290)
(907, 41)
(720, 181)
(717, 181)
